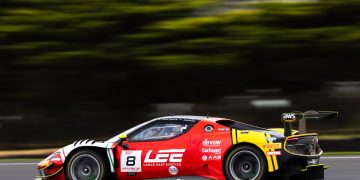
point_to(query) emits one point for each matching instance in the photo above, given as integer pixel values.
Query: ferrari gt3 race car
(193, 147)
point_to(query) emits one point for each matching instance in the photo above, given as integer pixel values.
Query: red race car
(190, 147)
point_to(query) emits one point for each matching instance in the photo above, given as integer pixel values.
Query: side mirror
(291, 117)
(123, 137)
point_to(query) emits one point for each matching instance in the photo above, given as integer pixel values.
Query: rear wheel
(245, 163)
(86, 165)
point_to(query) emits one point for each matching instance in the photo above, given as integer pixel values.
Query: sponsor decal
(131, 173)
(178, 119)
(276, 153)
(211, 150)
(173, 170)
(207, 142)
(130, 161)
(270, 139)
(272, 145)
(214, 157)
(204, 157)
(224, 129)
(290, 117)
(168, 157)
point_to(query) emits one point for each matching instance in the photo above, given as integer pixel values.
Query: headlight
(54, 156)
(49, 160)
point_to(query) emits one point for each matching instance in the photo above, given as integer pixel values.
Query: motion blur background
(75, 69)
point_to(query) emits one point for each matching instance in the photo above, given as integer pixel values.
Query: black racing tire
(245, 163)
(86, 165)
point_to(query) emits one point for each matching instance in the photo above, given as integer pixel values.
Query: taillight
(292, 139)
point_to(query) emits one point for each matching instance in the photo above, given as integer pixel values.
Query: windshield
(159, 132)
(117, 137)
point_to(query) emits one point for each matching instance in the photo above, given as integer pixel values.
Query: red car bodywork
(199, 149)
(193, 161)
(194, 153)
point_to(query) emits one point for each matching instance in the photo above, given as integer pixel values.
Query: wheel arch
(243, 144)
(268, 164)
(101, 151)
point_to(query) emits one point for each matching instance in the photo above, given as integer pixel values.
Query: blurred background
(75, 69)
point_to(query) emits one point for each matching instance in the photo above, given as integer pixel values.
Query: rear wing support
(302, 117)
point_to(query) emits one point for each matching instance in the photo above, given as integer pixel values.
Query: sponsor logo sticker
(270, 139)
(173, 170)
(204, 157)
(289, 116)
(130, 161)
(168, 157)
(215, 157)
(131, 173)
(224, 129)
(276, 153)
(207, 142)
(272, 145)
(211, 150)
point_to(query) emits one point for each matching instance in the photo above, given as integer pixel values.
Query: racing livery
(192, 147)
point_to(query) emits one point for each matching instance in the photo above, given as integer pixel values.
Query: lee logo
(163, 156)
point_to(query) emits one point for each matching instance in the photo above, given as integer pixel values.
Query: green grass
(339, 136)
(341, 153)
(20, 160)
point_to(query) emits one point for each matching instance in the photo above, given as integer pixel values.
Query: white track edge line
(340, 157)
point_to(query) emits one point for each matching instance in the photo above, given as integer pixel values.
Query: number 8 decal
(130, 161)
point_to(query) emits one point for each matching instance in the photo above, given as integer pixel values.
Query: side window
(161, 131)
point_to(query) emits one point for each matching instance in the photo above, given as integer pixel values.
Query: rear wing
(302, 117)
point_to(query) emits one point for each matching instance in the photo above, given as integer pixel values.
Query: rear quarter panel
(263, 141)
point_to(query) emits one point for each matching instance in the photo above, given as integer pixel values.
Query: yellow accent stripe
(301, 135)
(270, 164)
(276, 166)
(233, 135)
(49, 164)
(271, 169)
(51, 174)
(315, 165)
(238, 136)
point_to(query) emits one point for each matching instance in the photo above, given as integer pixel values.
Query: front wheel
(245, 163)
(86, 165)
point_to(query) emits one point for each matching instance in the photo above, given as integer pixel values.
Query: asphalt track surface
(341, 168)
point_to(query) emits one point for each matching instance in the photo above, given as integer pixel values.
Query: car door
(157, 150)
